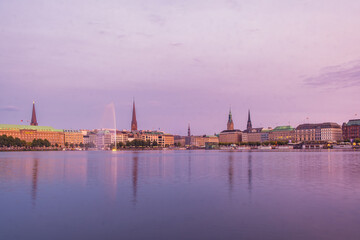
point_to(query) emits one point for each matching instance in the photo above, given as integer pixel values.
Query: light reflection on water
(180, 195)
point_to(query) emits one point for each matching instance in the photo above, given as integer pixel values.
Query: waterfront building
(133, 120)
(351, 129)
(283, 133)
(162, 139)
(104, 138)
(122, 136)
(179, 140)
(201, 141)
(252, 135)
(329, 132)
(230, 135)
(166, 140)
(265, 134)
(29, 133)
(73, 137)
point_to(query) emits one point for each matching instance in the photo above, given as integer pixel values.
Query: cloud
(339, 76)
(9, 109)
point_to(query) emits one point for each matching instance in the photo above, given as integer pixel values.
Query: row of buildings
(104, 138)
(308, 132)
(97, 138)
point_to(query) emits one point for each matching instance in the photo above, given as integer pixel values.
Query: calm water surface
(180, 195)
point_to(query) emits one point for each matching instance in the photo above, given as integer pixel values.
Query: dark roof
(230, 131)
(317, 125)
(353, 122)
(253, 130)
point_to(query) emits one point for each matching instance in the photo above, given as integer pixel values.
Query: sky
(184, 62)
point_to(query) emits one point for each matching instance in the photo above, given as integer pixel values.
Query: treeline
(269, 143)
(136, 143)
(10, 141)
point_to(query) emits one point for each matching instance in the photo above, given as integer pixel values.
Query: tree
(81, 145)
(66, 144)
(155, 143)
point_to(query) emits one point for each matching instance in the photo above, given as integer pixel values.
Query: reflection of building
(29, 133)
(283, 133)
(318, 132)
(73, 137)
(351, 129)
(230, 135)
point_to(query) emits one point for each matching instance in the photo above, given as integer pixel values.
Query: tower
(133, 121)
(230, 123)
(249, 125)
(189, 133)
(33, 116)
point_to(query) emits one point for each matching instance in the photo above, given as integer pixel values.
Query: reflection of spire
(231, 173)
(249, 172)
(135, 176)
(33, 116)
(34, 180)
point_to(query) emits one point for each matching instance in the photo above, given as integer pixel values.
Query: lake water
(180, 195)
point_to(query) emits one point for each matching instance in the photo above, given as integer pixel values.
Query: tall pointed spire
(189, 133)
(230, 123)
(33, 116)
(133, 121)
(249, 125)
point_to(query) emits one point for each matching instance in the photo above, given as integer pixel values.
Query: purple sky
(183, 61)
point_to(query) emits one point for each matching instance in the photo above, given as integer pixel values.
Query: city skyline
(74, 60)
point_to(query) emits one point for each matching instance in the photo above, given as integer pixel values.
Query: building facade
(230, 136)
(74, 137)
(283, 133)
(351, 129)
(329, 132)
(29, 133)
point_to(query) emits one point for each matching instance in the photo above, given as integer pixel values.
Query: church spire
(230, 123)
(249, 125)
(33, 116)
(189, 133)
(133, 121)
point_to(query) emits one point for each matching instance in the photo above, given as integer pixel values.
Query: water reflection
(135, 176)
(231, 172)
(250, 171)
(178, 193)
(34, 181)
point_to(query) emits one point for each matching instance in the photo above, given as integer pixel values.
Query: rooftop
(283, 128)
(353, 122)
(28, 127)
